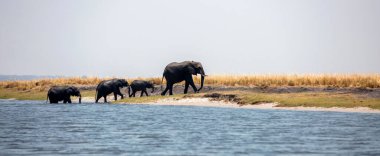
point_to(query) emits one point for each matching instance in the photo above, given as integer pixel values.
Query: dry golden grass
(45, 84)
(337, 80)
(316, 80)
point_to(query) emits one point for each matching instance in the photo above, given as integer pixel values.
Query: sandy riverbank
(206, 102)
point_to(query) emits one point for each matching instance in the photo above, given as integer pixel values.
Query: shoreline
(211, 102)
(207, 102)
(364, 100)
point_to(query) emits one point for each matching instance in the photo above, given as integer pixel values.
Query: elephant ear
(198, 65)
(118, 83)
(69, 90)
(191, 70)
(121, 82)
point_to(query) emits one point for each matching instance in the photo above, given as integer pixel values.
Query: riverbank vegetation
(336, 80)
(321, 99)
(33, 94)
(325, 90)
(310, 99)
(314, 80)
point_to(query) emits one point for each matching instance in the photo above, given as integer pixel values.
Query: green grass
(22, 95)
(33, 94)
(310, 100)
(88, 93)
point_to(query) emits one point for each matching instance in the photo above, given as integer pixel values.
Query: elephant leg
(146, 93)
(97, 98)
(69, 100)
(105, 98)
(171, 89)
(122, 96)
(186, 87)
(52, 100)
(115, 95)
(64, 101)
(117, 92)
(189, 79)
(130, 95)
(166, 89)
(142, 93)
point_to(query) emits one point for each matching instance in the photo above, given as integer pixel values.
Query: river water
(36, 128)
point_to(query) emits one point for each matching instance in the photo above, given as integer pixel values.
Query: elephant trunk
(202, 72)
(152, 88)
(202, 82)
(80, 98)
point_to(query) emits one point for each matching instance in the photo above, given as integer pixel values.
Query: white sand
(205, 102)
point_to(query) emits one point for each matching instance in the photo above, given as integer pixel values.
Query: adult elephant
(62, 93)
(140, 85)
(110, 86)
(177, 72)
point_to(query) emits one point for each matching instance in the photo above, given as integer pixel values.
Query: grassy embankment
(311, 100)
(284, 99)
(36, 89)
(33, 94)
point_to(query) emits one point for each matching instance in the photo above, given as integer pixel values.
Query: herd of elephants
(174, 72)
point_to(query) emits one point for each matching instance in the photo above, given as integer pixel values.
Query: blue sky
(139, 38)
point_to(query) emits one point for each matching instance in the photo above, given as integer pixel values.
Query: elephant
(140, 85)
(177, 72)
(59, 93)
(110, 86)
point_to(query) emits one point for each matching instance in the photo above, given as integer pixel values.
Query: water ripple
(36, 128)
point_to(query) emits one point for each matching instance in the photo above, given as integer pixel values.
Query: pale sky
(140, 37)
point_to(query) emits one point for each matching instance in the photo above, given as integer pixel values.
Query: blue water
(36, 128)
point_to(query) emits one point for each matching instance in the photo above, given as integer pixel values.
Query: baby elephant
(140, 85)
(59, 93)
